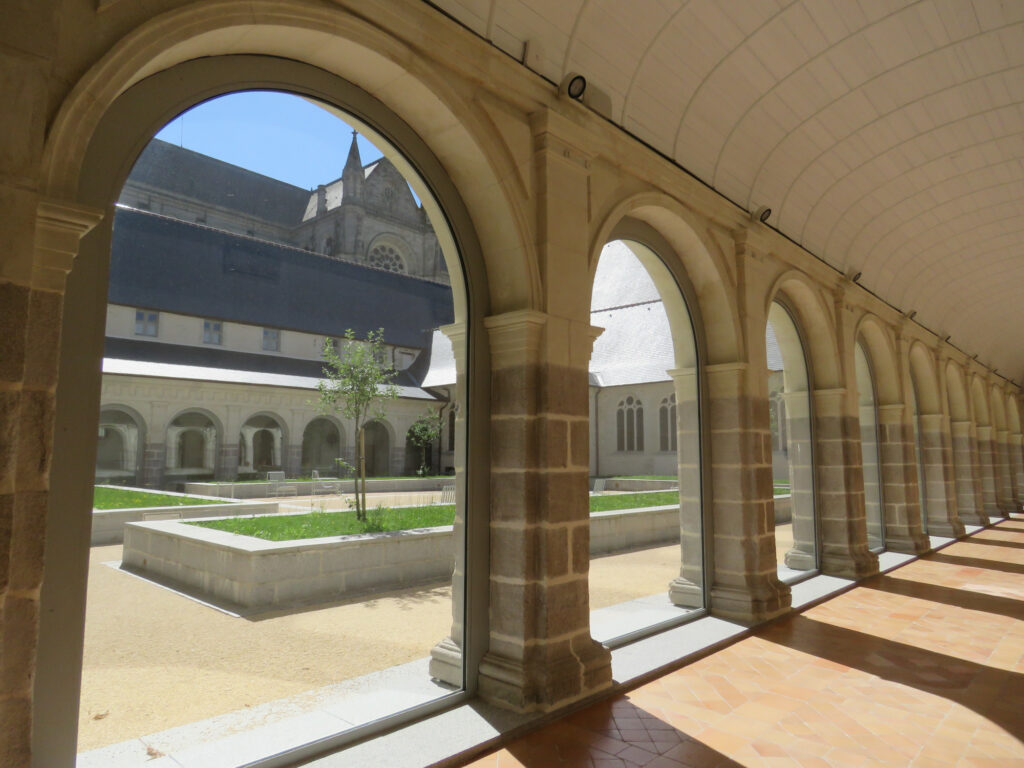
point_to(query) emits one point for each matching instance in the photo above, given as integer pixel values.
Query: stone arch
(632, 421)
(317, 447)
(262, 441)
(380, 438)
(688, 256)
(1012, 414)
(998, 408)
(979, 402)
(462, 171)
(193, 438)
(121, 457)
(291, 34)
(924, 379)
(956, 393)
(815, 325)
(877, 342)
(281, 422)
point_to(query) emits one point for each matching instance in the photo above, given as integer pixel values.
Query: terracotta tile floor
(920, 667)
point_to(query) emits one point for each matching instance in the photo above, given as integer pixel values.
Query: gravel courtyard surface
(155, 659)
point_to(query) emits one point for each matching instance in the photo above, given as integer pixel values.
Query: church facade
(226, 285)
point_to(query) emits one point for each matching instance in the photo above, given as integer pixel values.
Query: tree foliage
(424, 431)
(356, 384)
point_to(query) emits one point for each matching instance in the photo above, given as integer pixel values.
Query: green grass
(633, 500)
(645, 477)
(317, 524)
(126, 498)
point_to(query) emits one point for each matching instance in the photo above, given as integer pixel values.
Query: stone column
(1016, 470)
(840, 487)
(987, 471)
(970, 505)
(902, 509)
(803, 555)
(745, 584)
(153, 462)
(687, 589)
(938, 478)
(1004, 489)
(446, 658)
(871, 470)
(32, 286)
(540, 652)
(292, 459)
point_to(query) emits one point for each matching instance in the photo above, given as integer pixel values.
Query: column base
(849, 565)
(685, 593)
(764, 600)
(446, 662)
(799, 560)
(540, 683)
(950, 529)
(910, 545)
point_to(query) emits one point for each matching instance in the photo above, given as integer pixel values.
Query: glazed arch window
(146, 323)
(667, 424)
(629, 425)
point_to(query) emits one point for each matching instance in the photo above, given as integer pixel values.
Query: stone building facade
(532, 184)
(224, 287)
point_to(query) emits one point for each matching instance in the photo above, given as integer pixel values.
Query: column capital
(515, 337)
(59, 227)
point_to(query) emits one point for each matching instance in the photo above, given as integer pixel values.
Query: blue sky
(276, 134)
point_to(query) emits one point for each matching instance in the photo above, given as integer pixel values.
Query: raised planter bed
(259, 490)
(254, 574)
(108, 524)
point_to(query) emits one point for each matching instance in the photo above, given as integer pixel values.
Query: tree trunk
(361, 489)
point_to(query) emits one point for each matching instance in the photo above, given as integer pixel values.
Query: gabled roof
(185, 173)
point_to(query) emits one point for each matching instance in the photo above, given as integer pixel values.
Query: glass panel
(646, 524)
(870, 457)
(919, 457)
(301, 602)
(792, 460)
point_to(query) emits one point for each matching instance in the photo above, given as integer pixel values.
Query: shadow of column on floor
(995, 694)
(977, 562)
(959, 598)
(614, 732)
(994, 542)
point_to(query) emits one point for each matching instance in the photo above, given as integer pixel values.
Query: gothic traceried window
(629, 425)
(667, 422)
(386, 257)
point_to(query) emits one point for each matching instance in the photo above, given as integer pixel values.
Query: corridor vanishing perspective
(920, 666)
(760, 259)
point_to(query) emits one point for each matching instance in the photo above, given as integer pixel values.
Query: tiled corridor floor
(923, 666)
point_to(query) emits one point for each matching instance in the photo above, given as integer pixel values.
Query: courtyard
(156, 659)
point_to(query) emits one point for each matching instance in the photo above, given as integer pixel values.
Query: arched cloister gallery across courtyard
(837, 189)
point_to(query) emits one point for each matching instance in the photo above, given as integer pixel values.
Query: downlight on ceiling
(573, 85)
(761, 214)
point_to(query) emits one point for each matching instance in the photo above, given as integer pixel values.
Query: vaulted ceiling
(887, 137)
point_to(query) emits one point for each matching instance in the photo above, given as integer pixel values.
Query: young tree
(356, 384)
(424, 431)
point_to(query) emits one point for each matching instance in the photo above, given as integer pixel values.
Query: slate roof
(166, 264)
(182, 172)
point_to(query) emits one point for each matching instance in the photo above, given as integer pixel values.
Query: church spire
(354, 162)
(352, 176)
